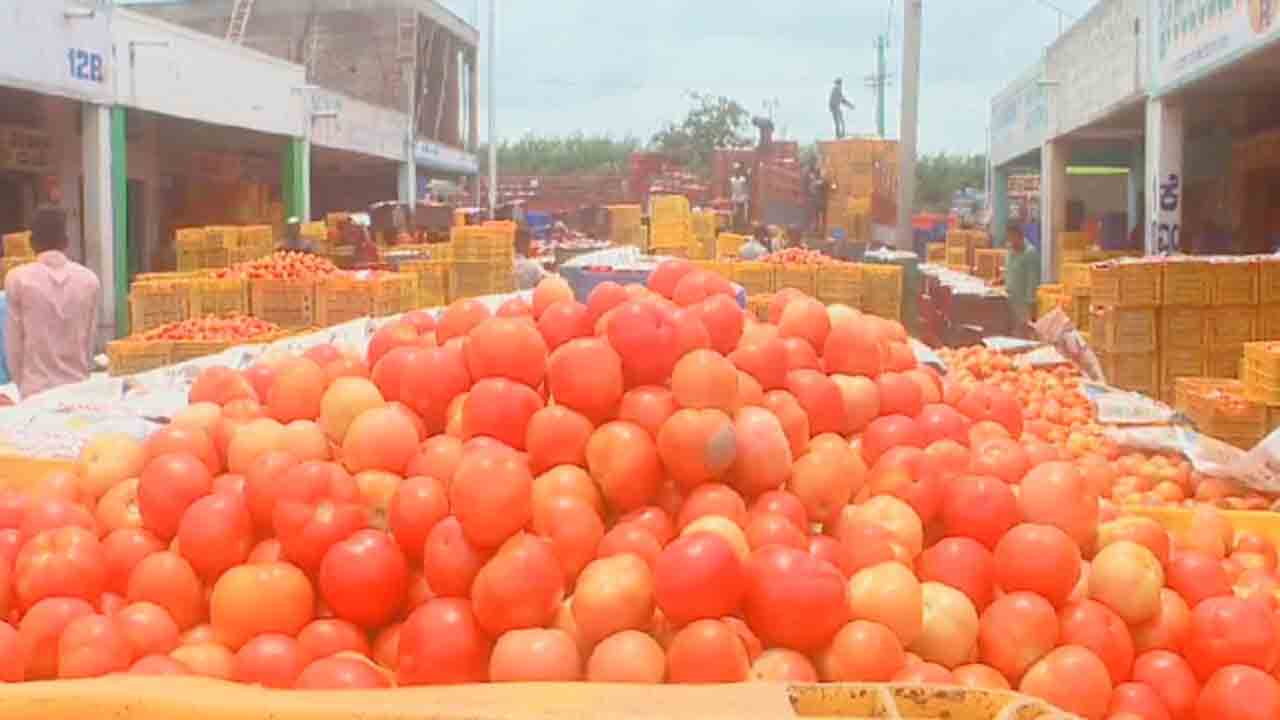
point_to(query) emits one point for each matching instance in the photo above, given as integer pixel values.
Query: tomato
(890, 431)
(181, 440)
(977, 507)
(1093, 626)
(1172, 679)
(418, 504)
(862, 651)
(563, 321)
(11, 660)
(647, 406)
(900, 395)
(364, 578)
(1040, 559)
(623, 460)
(237, 609)
(961, 563)
(450, 560)
(557, 435)
(521, 586)
(765, 360)
(500, 409)
(329, 636)
(491, 497)
(40, 630)
(52, 513)
(507, 348)
(909, 474)
(987, 402)
(168, 580)
(382, 438)
(432, 378)
(169, 484)
(574, 529)
(388, 338)
(851, 348)
(942, 422)
(308, 529)
(1196, 576)
(271, 660)
(706, 651)
(698, 576)
(627, 657)
(889, 594)
(215, 533)
(999, 457)
(1230, 631)
(147, 629)
(1015, 631)
(535, 655)
(92, 646)
(342, 673)
(59, 563)
(158, 665)
(442, 643)
(1071, 678)
(1139, 700)
(792, 599)
(587, 375)
(1054, 493)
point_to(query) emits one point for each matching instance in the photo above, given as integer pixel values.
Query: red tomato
(1171, 677)
(890, 431)
(1196, 576)
(1094, 626)
(1239, 692)
(342, 673)
(59, 563)
(1071, 678)
(169, 485)
(330, 636)
(1040, 559)
(1139, 700)
(271, 660)
(239, 609)
(821, 400)
(450, 560)
(364, 578)
(216, 533)
(1001, 458)
(183, 440)
(432, 379)
(520, 587)
(1015, 631)
(168, 580)
(92, 646)
(52, 513)
(308, 529)
(441, 643)
(491, 497)
(507, 348)
(707, 651)
(419, 503)
(987, 402)
(793, 599)
(11, 660)
(907, 474)
(1230, 631)
(500, 409)
(978, 507)
(41, 628)
(943, 422)
(147, 628)
(698, 576)
(645, 338)
(962, 563)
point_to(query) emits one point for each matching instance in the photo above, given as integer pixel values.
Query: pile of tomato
(800, 256)
(648, 487)
(282, 265)
(232, 329)
(1059, 421)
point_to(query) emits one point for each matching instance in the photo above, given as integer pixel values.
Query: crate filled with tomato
(649, 487)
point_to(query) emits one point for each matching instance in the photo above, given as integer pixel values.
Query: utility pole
(493, 118)
(879, 81)
(910, 121)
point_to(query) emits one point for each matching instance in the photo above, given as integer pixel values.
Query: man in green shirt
(1022, 278)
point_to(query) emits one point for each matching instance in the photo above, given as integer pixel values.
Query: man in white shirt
(740, 194)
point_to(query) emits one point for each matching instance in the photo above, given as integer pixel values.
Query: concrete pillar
(1164, 179)
(999, 205)
(407, 185)
(95, 149)
(1137, 172)
(1053, 205)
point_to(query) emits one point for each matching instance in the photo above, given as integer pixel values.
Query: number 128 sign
(86, 65)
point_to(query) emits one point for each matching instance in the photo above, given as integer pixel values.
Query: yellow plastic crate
(989, 263)
(1124, 330)
(957, 257)
(128, 357)
(291, 304)
(1139, 372)
(18, 245)
(1236, 283)
(472, 279)
(1183, 327)
(218, 296)
(1224, 362)
(882, 285)
(1269, 280)
(728, 245)
(433, 281)
(483, 243)
(1125, 284)
(1186, 283)
(754, 277)
(1181, 362)
(1074, 275)
(1231, 326)
(1048, 297)
(840, 283)
(661, 206)
(1269, 322)
(1073, 241)
(794, 275)
(155, 302)
(936, 253)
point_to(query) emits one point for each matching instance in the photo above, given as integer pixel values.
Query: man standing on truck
(838, 102)
(1022, 279)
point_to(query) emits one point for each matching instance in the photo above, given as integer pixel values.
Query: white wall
(1101, 194)
(35, 39)
(1097, 65)
(1019, 117)
(358, 126)
(199, 77)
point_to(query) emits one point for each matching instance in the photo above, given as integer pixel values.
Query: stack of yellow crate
(483, 259)
(989, 263)
(626, 225)
(1125, 298)
(1076, 294)
(851, 167)
(882, 290)
(1221, 408)
(703, 228)
(670, 225)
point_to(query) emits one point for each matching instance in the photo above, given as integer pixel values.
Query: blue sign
(85, 65)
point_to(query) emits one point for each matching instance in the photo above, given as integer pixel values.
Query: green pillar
(999, 205)
(296, 178)
(120, 218)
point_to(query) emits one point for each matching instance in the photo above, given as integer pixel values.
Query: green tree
(712, 123)
(939, 176)
(577, 153)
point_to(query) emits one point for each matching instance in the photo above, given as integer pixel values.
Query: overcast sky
(623, 67)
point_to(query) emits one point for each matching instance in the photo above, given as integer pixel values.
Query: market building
(140, 117)
(1155, 125)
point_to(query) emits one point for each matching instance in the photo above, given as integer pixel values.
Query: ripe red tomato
(364, 578)
(943, 422)
(1040, 559)
(978, 507)
(707, 651)
(270, 660)
(168, 580)
(442, 643)
(419, 503)
(147, 628)
(450, 561)
(698, 576)
(520, 587)
(216, 533)
(890, 431)
(169, 485)
(59, 563)
(1239, 692)
(988, 402)
(1093, 625)
(39, 632)
(308, 529)
(92, 646)
(964, 564)
(1230, 631)
(793, 599)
